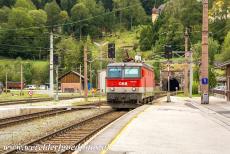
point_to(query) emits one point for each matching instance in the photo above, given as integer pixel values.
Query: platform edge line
(111, 143)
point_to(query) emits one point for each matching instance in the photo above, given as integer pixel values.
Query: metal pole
(6, 82)
(168, 93)
(80, 81)
(90, 65)
(204, 56)
(100, 75)
(160, 80)
(51, 66)
(186, 64)
(56, 98)
(191, 75)
(85, 74)
(21, 79)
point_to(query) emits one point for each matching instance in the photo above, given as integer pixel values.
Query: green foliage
(195, 87)
(25, 4)
(133, 16)
(53, 10)
(33, 72)
(212, 78)
(4, 13)
(146, 38)
(70, 52)
(156, 67)
(19, 18)
(7, 3)
(225, 53)
(214, 49)
(39, 17)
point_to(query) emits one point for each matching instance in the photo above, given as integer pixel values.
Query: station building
(71, 82)
(226, 65)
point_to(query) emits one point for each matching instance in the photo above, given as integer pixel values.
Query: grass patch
(15, 95)
(183, 95)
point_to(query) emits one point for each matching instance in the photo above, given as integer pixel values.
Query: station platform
(182, 126)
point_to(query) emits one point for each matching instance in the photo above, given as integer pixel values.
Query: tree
(39, 17)
(131, 16)
(146, 38)
(219, 19)
(108, 4)
(40, 3)
(78, 13)
(70, 52)
(225, 52)
(4, 13)
(67, 5)
(27, 71)
(19, 18)
(53, 11)
(214, 49)
(26, 4)
(7, 3)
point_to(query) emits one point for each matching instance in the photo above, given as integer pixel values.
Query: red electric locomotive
(130, 83)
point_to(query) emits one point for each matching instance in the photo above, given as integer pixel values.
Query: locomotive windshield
(115, 72)
(132, 72)
(123, 72)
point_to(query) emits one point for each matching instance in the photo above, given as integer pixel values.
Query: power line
(20, 46)
(70, 23)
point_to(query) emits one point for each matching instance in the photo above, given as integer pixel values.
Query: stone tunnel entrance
(174, 85)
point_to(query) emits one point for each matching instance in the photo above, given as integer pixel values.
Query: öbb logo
(123, 83)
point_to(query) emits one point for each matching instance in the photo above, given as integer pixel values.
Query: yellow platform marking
(117, 136)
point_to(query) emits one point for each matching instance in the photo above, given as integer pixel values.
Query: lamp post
(100, 45)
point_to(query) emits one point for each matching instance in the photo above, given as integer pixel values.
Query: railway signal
(168, 51)
(56, 59)
(111, 50)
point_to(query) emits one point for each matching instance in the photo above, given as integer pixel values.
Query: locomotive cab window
(132, 72)
(115, 72)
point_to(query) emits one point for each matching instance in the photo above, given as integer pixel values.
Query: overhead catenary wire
(21, 46)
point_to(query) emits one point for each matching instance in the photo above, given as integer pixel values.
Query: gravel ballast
(25, 132)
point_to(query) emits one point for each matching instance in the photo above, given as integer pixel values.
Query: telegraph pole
(204, 56)
(80, 81)
(90, 66)
(191, 75)
(56, 97)
(51, 66)
(85, 73)
(186, 64)
(21, 79)
(6, 81)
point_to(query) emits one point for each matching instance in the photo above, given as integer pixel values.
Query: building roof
(76, 73)
(226, 63)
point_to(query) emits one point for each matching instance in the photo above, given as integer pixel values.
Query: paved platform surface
(183, 126)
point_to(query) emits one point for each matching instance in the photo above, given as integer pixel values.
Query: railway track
(6, 122)
(32, 100)
(71, 136)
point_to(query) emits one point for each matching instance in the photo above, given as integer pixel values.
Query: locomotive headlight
(112, 89)
(133, 89)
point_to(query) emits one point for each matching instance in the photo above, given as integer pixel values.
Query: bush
(195, 86)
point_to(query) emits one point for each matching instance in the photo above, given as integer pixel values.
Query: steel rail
(73, 135)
